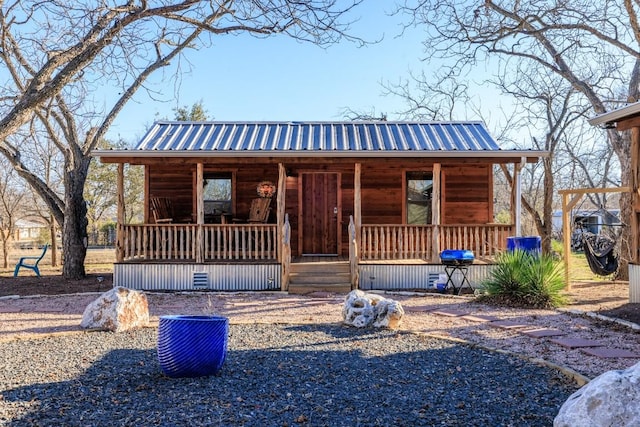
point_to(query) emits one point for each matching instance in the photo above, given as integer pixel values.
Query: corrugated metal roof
(298, 137)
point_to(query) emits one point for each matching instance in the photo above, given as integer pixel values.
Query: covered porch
(357, 205)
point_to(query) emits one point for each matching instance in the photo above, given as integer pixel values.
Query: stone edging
(597, 316)
(568, 372)
(622, 322)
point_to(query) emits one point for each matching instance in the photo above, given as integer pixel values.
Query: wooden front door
(319, 211)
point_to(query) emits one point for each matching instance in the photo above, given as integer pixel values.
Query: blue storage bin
(530, 244)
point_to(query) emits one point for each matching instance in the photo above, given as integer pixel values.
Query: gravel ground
(276, 375)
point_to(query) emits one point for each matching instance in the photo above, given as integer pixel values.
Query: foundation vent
(200, 279)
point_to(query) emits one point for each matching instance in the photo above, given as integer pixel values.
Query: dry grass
(97, 261)
(580, 271)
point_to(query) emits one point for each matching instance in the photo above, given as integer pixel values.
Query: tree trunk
(75, 221)
(54, 241)
(547, 209)
(5, 253)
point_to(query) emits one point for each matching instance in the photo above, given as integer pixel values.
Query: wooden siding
(467, 193)
(381, 188)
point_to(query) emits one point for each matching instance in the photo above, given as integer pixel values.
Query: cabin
(303, 206)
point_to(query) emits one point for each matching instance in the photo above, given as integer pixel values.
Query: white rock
(117, 310)
(363, 310)
(390, 313)
(612, 399)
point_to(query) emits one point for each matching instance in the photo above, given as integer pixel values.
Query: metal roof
(615, 115)
(327, 139)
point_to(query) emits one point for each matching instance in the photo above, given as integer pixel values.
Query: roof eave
(615, 115)
(320, 153)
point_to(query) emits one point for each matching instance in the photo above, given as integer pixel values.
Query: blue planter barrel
(530, 244)
(192, 346)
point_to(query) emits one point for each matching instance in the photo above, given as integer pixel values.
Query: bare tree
(370, 116)
(57, 56)
(431, 96)
(42, 155)
(549, 108)
(593, 46)
(99, 193)
(11, 199)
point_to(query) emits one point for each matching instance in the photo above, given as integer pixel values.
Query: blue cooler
(530, 244)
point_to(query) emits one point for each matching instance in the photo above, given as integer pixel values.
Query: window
(419, 192)
(217, 194)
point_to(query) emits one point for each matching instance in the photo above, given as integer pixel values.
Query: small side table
(450, 270)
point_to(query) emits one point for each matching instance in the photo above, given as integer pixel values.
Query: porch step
(308, 277)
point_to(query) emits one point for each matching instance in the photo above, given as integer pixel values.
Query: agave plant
(525, 279)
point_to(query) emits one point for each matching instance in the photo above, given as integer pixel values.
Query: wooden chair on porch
(259, 211)
(161, 209)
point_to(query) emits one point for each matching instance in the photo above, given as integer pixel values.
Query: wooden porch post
(518, 185)
(120, 214)
(357, 202)
(280, 209)
(567, 206)
(199, 212)
(283, 236)
(435, 211)
(515, 199)
(355, 227)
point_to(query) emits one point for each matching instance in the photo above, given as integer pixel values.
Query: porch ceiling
(319, 139)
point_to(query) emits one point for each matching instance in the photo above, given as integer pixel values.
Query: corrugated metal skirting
(190, 277)
(634, 283)
(409, 277)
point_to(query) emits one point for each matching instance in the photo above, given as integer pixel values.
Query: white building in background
(591, 220)
(28, 232)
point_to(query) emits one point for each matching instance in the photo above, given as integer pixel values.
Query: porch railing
(156, 242)
(486, 240)
(388, 242)
(395, 242)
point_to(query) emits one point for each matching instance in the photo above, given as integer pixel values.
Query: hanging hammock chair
(600, 253)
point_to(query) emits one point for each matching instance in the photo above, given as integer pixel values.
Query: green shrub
(526, 280)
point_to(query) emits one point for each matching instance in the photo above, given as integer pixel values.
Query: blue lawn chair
(24, 262)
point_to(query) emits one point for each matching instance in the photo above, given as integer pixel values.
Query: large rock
(363, 310)
(117, 310)
(612, 399)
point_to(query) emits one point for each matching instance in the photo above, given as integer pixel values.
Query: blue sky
(278, 78)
